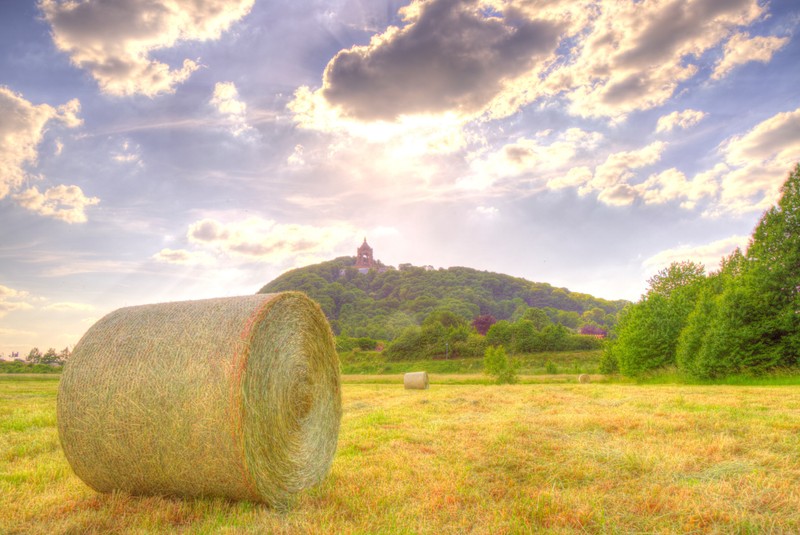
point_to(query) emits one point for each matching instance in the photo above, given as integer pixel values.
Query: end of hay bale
(584, 378)
(235, 397)
(416, 381)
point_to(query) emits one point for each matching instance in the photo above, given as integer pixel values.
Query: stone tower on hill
(364, 259)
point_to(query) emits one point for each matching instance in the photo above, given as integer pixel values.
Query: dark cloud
(451, 57)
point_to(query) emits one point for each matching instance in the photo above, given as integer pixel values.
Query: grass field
(544, 458)
(561, 362)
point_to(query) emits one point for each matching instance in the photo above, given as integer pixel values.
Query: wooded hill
(381, 304)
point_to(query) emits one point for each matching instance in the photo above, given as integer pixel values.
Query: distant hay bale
(416, 380)
(584, 378)
(235, 397)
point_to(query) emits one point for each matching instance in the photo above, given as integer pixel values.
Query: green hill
(383, 302)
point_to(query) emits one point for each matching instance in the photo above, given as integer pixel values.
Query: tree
(483, 322)
(35, 356)
(753, 324)
(50, 356)
(497, 364)
(593, 329)
(708, 340)
(499, 334)
(538, 317)
(647, 333)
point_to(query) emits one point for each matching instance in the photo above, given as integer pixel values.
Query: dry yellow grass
(561, 458)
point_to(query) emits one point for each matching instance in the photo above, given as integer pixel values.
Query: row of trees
(48, 357)
(744, 318)
(444, 334)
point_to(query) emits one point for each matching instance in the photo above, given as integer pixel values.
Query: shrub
(497, 364)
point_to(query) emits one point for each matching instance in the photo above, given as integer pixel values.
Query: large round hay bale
(416, 380)
(584, 378)
(236, 397)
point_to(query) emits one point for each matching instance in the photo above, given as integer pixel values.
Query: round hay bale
(584, 378)
(235, 397)
(416, 380)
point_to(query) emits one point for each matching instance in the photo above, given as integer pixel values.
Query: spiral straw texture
(236, 397)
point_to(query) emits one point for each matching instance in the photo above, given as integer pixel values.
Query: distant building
(364, 259)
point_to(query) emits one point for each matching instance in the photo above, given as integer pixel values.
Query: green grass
(671, 375)
(27, 367)
(375, 363)
(544, 458)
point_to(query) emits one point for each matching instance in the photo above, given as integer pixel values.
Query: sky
(162, 150)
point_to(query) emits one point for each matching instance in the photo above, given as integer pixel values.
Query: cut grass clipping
(416, 380)
(235, 397)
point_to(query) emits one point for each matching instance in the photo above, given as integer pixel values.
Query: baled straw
(584, 378)
(416, 380)
(236, 397)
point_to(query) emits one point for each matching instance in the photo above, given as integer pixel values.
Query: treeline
(382, 305)
(49, 357)
(742, 319)
(444, 334)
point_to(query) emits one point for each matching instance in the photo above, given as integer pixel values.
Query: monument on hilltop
(364, 258)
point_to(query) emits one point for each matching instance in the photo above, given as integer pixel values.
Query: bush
(346, 343)
(497, 364)
(608, 363)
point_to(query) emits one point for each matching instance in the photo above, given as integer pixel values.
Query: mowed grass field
(529, 458)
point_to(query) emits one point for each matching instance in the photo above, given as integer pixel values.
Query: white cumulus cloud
(117, 41)
(741, 49)
(227, 103)
(22, 127)
(679, 119)
(757, 163)
(67, 203)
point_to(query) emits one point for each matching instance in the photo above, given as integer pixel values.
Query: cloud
(635, 54)
(22, 127)
(575, 176)
(226, 101)
(672, 185)
(542, 158)
(618, 195)
(11, 300)
(612, 176)
(679, 119)
(487, 211)
(128, 154)
(296, 157)
(741, 49)
(69, 307)
(450, 56)
(757, 163)
(709, 254)
(67, 203)
(491, 58)
(116, 41)
(775, 138)
(182, 257)
(264, 240)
